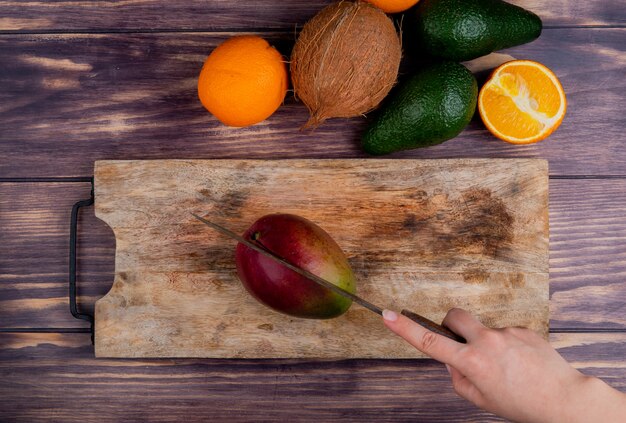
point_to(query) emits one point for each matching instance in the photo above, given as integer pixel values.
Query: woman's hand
(512, 372)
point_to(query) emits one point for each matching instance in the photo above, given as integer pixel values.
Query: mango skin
(306, 245)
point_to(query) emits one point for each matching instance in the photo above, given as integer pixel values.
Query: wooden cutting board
(426, 235)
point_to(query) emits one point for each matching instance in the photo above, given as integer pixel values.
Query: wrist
(572, 389)
(589, 399)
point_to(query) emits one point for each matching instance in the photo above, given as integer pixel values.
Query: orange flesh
(521, 102)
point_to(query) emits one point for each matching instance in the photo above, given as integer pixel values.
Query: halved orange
(523, 102)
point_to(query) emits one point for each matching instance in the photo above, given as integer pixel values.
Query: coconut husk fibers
(345, 61)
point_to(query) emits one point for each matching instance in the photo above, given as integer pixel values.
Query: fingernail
(449, 371)
(390, 316)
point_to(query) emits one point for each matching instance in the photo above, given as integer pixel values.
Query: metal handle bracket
(72, 270)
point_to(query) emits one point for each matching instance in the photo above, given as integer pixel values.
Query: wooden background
(81, 81)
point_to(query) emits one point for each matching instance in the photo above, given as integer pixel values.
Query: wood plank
(472, 232)
(68, 100)
(587, 255)
(55, 377)
(34, 243)
(29, 15)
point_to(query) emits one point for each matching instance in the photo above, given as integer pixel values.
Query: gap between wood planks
(264, 30)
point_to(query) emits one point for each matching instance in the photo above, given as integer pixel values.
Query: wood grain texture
(588, 250)
(28, 15)
(436, 233)
(55, 377)
(34, 245)
(587, 254)
(67, 100)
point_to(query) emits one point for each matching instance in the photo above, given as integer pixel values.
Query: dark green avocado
(466, 29)
(432, 106)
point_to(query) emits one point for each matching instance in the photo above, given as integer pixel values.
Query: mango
(306, 245)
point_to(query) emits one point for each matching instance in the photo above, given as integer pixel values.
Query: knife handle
(433, 327)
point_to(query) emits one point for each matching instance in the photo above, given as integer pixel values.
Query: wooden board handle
(432, 326)
(72, 256)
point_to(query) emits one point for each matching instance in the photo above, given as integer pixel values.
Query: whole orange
(393, 6)
(243, 81)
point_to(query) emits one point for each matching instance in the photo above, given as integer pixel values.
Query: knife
(421, 320)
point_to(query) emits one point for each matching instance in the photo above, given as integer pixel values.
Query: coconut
(345, 61)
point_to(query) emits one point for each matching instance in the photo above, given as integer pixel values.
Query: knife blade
(421, 320)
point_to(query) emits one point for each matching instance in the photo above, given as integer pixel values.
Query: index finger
(437, 346)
